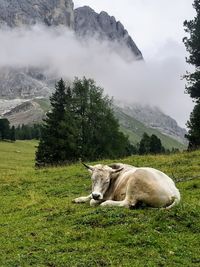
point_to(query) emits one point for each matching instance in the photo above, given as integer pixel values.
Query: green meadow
(40, 226)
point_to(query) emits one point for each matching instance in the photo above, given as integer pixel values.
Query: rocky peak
(15, 13)
(88, 23)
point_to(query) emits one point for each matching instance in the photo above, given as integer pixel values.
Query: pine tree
(155, 145)
(12, 134)
(150, 145)
(99, 130)
(192, 44)
(144, 145)
(57, 143)
(194, 129)
(4, 129)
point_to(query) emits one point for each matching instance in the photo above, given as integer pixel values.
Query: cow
(125, 186)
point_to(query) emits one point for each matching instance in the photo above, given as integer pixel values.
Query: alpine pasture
(40, 226)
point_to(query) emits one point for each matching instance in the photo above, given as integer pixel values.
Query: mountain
(135, 130)
(24, 92)
(88, 23)
(15, 13)
(154, 118)
(32, 82)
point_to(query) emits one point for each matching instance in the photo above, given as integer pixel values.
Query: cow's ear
(118, 170)
(90, 168)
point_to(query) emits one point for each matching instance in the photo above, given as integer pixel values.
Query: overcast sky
(157, 28)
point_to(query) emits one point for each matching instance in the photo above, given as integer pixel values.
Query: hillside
(29, 112)
(155, 118)
(135, 130)
(41, 227)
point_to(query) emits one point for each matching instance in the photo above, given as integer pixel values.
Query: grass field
(39, 226)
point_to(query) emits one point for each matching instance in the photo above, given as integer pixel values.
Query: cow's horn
(87, 166)
(118, 170)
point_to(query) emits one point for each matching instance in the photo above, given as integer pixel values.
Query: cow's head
(102, 176)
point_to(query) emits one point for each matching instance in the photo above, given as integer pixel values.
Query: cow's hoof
(77, 200)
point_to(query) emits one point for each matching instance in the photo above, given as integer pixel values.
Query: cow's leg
(83, 199)
(112, 203)
(129, 201)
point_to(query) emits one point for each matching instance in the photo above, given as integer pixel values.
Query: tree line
(6, 132)
(21, 132)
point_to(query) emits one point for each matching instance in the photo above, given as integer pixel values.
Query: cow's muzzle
(96, 196)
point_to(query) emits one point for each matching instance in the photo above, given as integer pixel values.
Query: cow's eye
(107, 182)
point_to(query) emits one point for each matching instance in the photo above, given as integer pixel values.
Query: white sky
(156, 26)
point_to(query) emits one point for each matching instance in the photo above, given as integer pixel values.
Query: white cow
(124, 185)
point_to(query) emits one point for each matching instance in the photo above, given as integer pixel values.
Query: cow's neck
(113, 185)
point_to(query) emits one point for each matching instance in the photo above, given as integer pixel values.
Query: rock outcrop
(15, 13)
(24, 83)
(88, 23)
(28, 112)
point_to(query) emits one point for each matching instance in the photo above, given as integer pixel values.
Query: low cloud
(58, 51)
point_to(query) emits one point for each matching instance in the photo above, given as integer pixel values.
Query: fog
(155, 82)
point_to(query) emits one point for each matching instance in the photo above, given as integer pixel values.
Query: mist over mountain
(40, 32)
(42, 41)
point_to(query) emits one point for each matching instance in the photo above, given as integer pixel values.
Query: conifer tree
(57, 142)
(192, 44)
(155, 145)
(80, 125)
(12, 134)
(99, 130)
(150, 145)
(194, 129)
(4, 129)
(144, 145)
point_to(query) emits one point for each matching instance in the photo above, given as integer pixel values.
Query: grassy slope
(135, 129)
(39, 226)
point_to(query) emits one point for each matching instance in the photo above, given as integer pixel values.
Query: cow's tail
(175, 201)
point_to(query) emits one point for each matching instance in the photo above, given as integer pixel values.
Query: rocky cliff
(88, 23)
(24, 83)
(15, 13)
